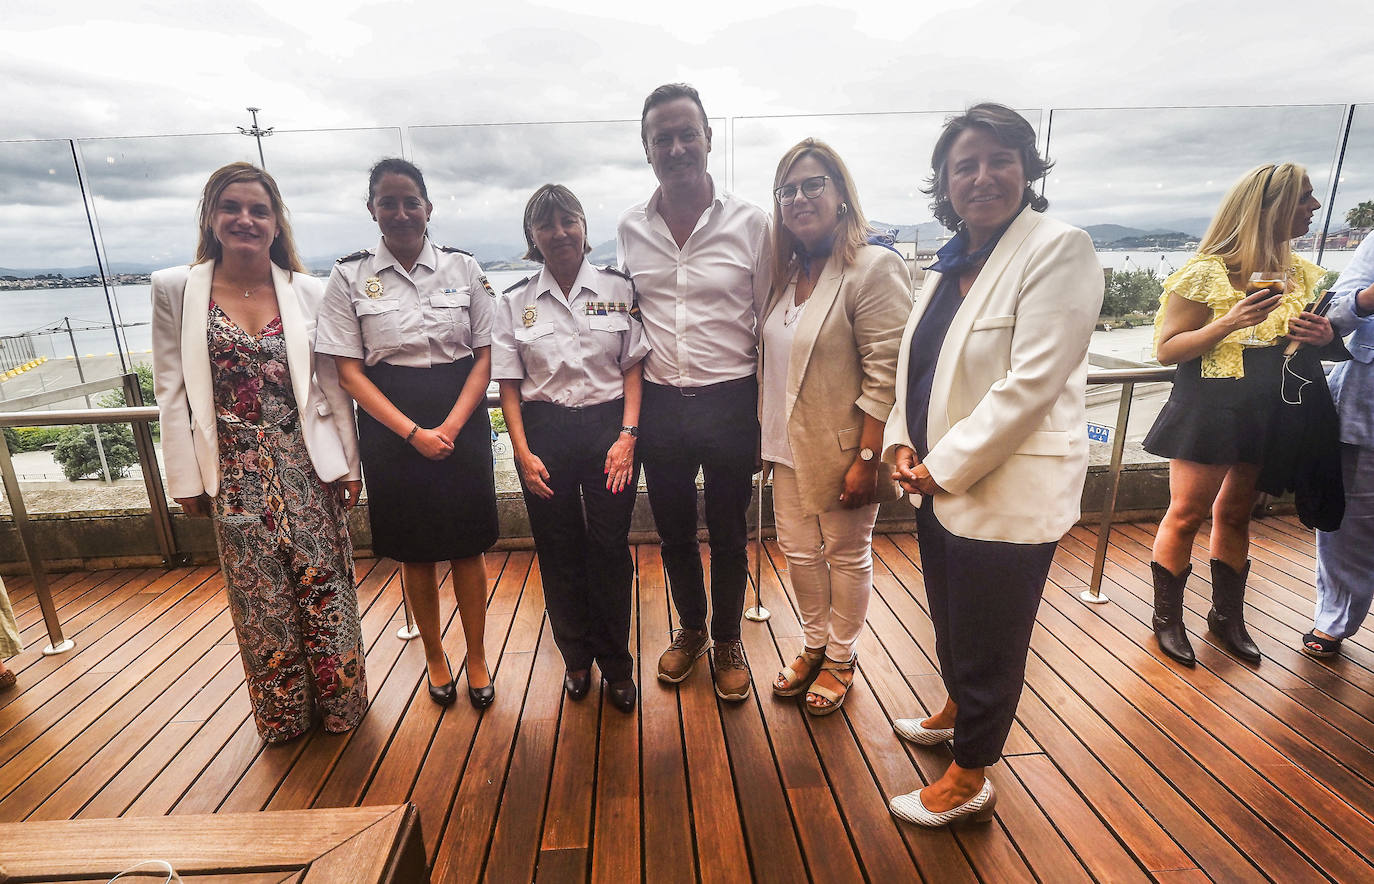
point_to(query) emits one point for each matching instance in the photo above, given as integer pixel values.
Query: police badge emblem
(529, 315)
(373, 287)
(486, 285)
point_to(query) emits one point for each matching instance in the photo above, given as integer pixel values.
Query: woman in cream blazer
(257, 432)
(988, 434)
(827, 350)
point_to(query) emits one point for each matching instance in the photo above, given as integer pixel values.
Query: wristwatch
(867, 454)
(633, 431)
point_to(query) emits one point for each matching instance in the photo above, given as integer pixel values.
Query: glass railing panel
(58, 346)
(1352, 209)
(53, 310)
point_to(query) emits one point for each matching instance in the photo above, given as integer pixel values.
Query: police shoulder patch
(517, 285)
(356, 256)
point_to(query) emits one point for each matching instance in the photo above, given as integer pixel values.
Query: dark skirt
(1220, 420)
(424, 510)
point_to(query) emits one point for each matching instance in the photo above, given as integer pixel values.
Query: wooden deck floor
(1122, 766)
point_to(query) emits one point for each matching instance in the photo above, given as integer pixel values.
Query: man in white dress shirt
(700, 262)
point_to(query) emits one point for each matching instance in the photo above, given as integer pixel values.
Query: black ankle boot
(1227, 617)
(1168, 619)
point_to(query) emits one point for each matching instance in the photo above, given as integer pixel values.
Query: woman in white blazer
(987, 434)
(827, 352)
(257, 433)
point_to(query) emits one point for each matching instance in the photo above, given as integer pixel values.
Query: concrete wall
(125, 538)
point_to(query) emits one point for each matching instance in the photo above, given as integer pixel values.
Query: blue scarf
(950, 258)
(827, 245)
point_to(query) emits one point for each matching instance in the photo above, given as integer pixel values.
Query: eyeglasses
(810, 187)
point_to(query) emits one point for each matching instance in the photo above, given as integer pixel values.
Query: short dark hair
(546, 200)
(395, 166)
(664, 94)
(1011, 130)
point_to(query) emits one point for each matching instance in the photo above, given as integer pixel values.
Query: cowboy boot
(1227, 617)
(1168, 619)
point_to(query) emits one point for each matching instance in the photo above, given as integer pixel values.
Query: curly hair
(1011, 130)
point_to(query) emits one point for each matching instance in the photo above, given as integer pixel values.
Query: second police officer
(409, 325)
(568, 353)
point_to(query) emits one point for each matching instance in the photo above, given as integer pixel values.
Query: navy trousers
(983, 598)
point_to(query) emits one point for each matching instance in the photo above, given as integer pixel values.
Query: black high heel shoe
(481, 698)
(446, 694)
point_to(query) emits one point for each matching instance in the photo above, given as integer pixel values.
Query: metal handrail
(1127, 378)
(79, 416)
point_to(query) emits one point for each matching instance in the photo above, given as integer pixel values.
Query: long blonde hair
(283, 250)
(1253, 227)
(852, 231)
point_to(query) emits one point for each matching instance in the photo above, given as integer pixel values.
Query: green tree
(1131, 291)
(115, 398)
(1362, 215)
(77, 455)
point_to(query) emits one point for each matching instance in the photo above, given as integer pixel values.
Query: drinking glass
(1275, 281)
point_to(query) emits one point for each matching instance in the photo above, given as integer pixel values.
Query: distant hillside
(1115, 236)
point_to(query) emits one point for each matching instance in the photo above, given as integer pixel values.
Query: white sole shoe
(977, 809)
(910, 729)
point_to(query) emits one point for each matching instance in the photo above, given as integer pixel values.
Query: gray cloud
(188, 67)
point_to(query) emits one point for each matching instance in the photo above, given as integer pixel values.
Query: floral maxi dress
(283, 544)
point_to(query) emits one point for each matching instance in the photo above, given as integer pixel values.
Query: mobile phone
(1322, 304)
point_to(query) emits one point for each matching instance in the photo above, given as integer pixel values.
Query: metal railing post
(152, 480)
(410, 630)
(758, 613)
(1093, 595)
(57, 642)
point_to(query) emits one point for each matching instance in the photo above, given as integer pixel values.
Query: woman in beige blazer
(258, 434)
(988, 435)
(827, 352)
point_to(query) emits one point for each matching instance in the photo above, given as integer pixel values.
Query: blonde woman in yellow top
(1225, 319)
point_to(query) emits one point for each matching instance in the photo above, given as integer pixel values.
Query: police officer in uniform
(410, 327)
(567, 352)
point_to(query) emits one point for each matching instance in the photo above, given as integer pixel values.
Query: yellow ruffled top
(1204, 279)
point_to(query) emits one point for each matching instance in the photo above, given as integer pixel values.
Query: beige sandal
(790, 682)
(821, 700)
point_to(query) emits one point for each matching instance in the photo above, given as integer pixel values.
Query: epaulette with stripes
(356, 256)
(451, 250)
(517, 285)
(611, 268)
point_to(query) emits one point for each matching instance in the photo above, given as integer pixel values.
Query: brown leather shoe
(731, 671)
(677, 662)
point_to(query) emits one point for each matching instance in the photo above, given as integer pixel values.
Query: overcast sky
(875, 79)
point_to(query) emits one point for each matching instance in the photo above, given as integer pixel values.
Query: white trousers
(830, 563)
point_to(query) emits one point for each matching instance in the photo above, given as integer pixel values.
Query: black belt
(721, 387)
(554, 407)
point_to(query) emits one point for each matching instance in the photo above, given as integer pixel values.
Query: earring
(844, 209)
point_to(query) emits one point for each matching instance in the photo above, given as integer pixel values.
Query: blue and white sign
(1099, 433)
